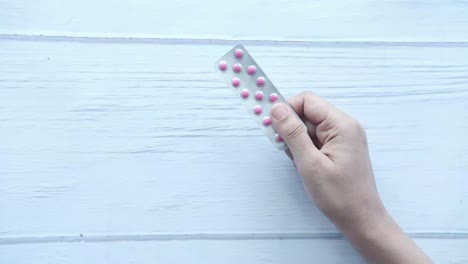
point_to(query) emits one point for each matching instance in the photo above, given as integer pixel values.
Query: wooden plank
(121, 138)
(386, 20)
(208, 251)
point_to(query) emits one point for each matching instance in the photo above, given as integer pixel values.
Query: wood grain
(385, 20)
(119, 145)
(103, 138)
(206, 251)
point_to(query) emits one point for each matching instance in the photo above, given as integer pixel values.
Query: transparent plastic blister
(253, 88)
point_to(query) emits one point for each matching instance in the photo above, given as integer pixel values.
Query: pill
(260, 81)
(238, 53)
(235, 82)
(255, 91)
(278, 138)
(244, 93)
(259, 95)
(257, 110)
(237, 68)
(222, 65)
(273, 97)
(251, 70)
(266, 121)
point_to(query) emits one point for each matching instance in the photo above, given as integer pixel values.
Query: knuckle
(351, 124)
(307, 93)
(361, 128)
(355, 128)
(295, 130)
(362, 133)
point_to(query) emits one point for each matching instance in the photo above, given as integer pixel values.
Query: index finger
(313, 107)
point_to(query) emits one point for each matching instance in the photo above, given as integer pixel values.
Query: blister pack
(255, 91)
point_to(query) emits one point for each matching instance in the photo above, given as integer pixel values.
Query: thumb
(288, 125)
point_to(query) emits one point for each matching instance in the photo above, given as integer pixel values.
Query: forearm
(381, 240)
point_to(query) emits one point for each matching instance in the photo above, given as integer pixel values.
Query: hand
(332, 158)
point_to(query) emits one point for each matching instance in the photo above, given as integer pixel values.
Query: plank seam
(229, 41)
(186, 237)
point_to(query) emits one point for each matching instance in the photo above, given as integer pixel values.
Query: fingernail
(280, 112)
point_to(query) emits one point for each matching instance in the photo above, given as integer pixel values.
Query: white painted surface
(133, 142)
(400, 20)
(211, 252)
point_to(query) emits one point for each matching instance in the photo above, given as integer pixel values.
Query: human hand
(332, 158)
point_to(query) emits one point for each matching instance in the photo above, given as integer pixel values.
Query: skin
(331, 155)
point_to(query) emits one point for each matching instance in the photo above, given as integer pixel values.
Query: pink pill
(259, 95)
(278, 138)
(257, 110)
(244, 93)
(251, 70)
(260, 81)
(235, 82)
(237, 68)
(273, 97)
(238, 53)
(266, 121)
(222, 65)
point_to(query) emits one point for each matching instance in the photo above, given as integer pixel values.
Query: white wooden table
(118, 144)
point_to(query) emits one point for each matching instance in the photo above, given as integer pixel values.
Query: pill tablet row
(256, 92)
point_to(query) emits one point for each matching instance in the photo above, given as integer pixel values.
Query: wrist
(374, 230)
(366, 224)
(381, 240)
(373, 227)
